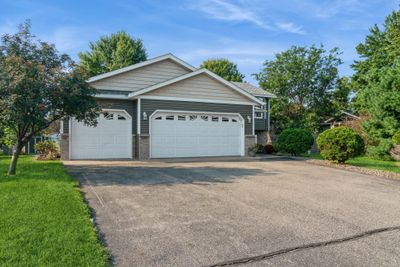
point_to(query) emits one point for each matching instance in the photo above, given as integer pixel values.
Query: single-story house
(166, 108)
(340, 119)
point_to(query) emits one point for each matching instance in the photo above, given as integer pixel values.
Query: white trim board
(111, 96)
(142, 64)
(191, 74)
(168, 98)
(138, 117)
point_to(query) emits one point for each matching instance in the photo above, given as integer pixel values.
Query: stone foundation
(64, 146)
(250, 140)
(262, 137)
(143, 148)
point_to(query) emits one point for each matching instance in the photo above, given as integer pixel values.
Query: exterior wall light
(144, 114)
(248, 119)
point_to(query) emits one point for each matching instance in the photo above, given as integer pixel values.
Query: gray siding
(142, 77)
(200, 87)
(128, 105)
(149, 106)
(260, 124)
(65, 126)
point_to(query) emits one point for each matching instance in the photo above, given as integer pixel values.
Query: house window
(169, 117)
(181, 117)
(214, 118)
(258, 115)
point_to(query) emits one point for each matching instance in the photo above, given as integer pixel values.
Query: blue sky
(246, 31)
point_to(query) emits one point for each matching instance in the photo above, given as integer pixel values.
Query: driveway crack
(306, 246)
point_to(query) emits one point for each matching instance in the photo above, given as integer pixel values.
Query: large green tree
(224, 68)
(112, 52)
(303, 79)
(377, 78)
(37, 87)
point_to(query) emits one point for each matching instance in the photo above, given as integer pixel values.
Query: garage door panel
(195, 135)
(111, 138)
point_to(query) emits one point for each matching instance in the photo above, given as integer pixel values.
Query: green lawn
(43, 218)
(366, 162)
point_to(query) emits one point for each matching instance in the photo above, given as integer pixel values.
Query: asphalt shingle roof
(254, 90)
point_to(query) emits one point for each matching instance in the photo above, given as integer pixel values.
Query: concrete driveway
(272, 212)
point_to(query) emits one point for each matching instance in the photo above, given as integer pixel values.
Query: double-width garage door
(110, 139)
(185, 134)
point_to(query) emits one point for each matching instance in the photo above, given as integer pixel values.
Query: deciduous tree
(303, 79)
(224, 68)
(112, 52)
(37, 87)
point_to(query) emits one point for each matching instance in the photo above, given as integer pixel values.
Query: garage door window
(121, 118)
(204, 118)
(108, 116)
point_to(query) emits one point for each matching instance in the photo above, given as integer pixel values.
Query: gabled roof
(142, 64)
(192, 74)
(342, 112)
(254, 90)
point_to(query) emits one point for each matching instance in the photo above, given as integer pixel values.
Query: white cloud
(228, 11)
(332, 8)
(290, 27)
(223, 10)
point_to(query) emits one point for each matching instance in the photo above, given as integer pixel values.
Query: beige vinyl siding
(142, 77)
(199, 87)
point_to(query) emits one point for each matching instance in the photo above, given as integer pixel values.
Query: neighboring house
(166, 108)
(342, 118)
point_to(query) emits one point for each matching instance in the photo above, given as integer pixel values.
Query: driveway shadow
(168, 175)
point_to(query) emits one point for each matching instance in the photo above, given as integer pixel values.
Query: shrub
(381, 151)
(396, 138)
(294, 141)
(269, 149)
(47, 150)
(259, 148)
(339, 144)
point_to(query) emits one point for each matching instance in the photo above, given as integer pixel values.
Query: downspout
(269, 139)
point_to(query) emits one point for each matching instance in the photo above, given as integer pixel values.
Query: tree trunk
(13, 165)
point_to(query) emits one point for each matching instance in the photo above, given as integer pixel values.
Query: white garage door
(188, 134)
(110, 139)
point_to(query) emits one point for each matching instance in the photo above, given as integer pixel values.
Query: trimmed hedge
(339, 144)
(294, 141)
